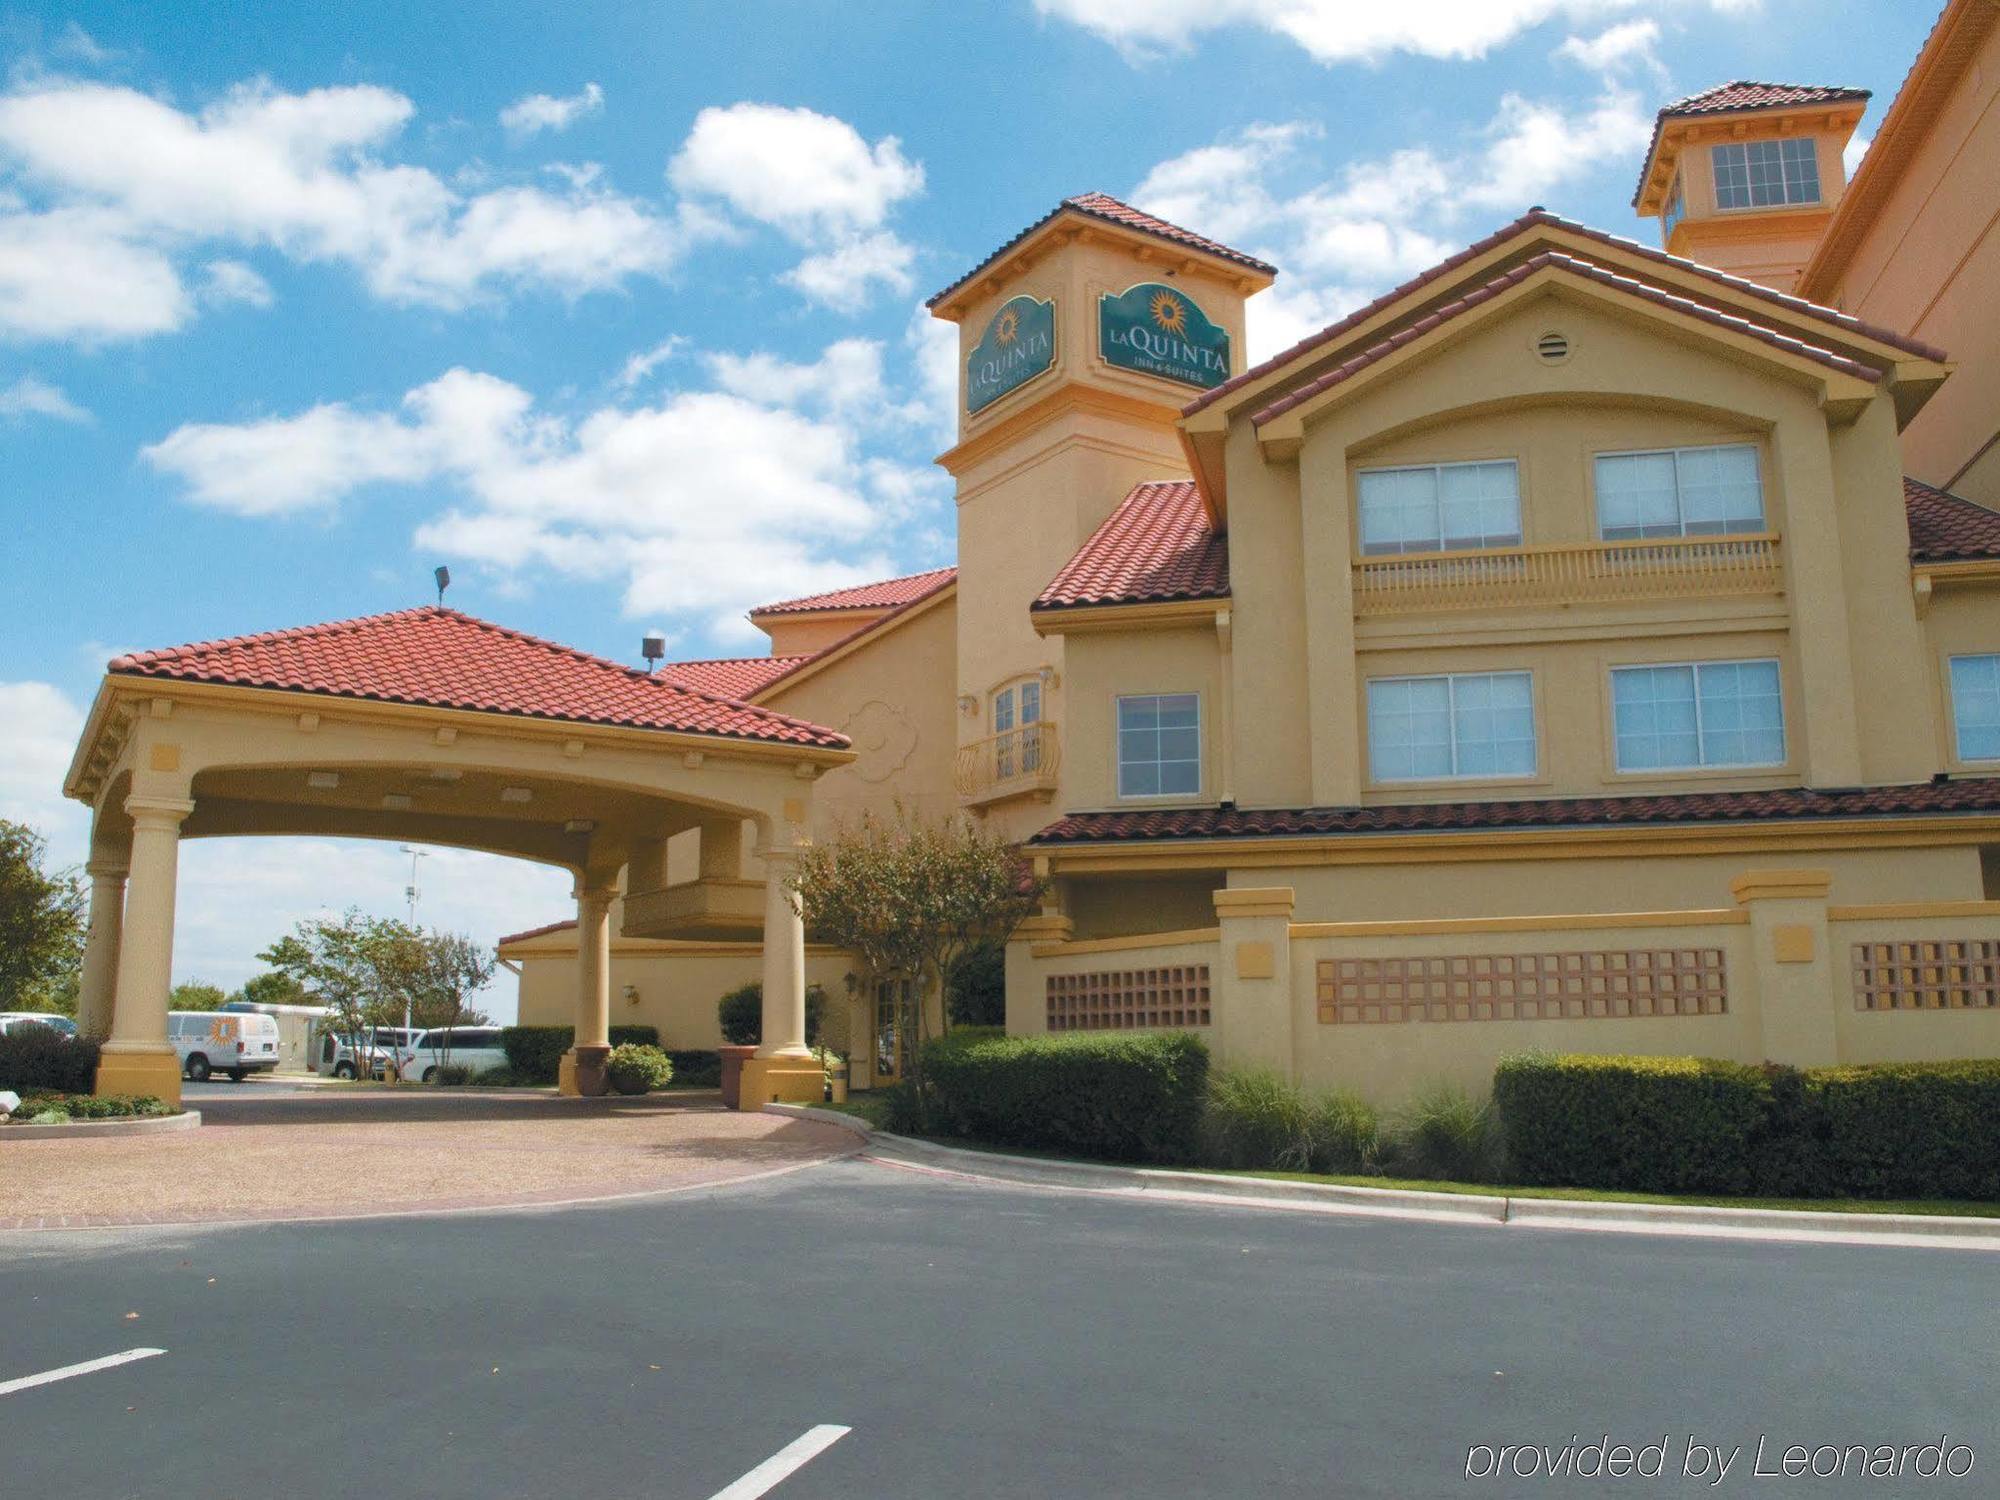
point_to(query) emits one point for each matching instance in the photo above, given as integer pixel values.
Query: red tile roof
(1333, 332)
(732, 676)
(1104, 206)
(440, 658)
(1741, 94)
(1948, 528)
(1156, 546)
(1557, 260)
(1926, 799)
(887, 594)
(545, 930)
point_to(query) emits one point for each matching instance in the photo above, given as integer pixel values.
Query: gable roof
(1533, 218)
(888, 593)
(1948, 528)
(1557, 260)
(1110, 210)
(1157, 546)
(440, 658)
(1734, 97)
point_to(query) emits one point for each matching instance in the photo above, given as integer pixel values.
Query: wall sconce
(968, 704)
(1050, 677)
(631, 993)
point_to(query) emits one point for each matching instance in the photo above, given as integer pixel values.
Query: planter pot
(733, 1059)
(628, 1088)
(836, 1086)
(590, 1080)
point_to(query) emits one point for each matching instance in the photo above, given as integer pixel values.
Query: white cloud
(539, 112)
(841, 277)
(29, 397)
(815, 179)
(1856, 148)
(1334, 31)
(638, 366)
(933, 347)
(129, 183)
(1628, 44)
(42, 729)
(698, 505)
(230, 281)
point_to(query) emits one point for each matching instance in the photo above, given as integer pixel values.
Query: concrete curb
(1940, 1231)
(129, 1125)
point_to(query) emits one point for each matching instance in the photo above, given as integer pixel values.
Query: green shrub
(500, 1077)
(1258, 1120)
(46, 1108)
(1643, 1124)
(449, 1075)
(900, 1114)
(697, 1070)
(975, 991)
(741, 1014)
(636, 1068)
(535, 1052)
(1345, 1133)
(40, 1057)
(1443, 1132)
(1909, 1130)
(1127, 1097)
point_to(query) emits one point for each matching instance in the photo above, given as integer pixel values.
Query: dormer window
(1440, 507)
(1766, 174)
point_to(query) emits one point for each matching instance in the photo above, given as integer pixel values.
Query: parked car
(474, 1047)
(342, 1056)
(214, 1041)
(17, 1020)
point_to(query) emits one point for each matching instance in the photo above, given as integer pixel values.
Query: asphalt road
(978, 1341)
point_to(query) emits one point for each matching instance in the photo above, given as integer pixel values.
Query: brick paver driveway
(336, 1153)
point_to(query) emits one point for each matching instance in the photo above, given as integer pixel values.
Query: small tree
(194, 994)
(332, 964)
(41, 925)
(910, 900)
(270, 988)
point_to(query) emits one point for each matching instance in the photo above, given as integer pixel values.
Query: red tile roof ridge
(1547, 259)
(889, 592)
(1103, 206)
(1500, 236)
(1156, 546)
(881, 622)
(182, 662)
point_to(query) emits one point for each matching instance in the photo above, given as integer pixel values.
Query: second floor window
(1017, 746)
(1469, 724)
(1692, 715)
(1679, 492)
(1765, 174)
(1440, 507)
(1975, 706)
(1159, 745)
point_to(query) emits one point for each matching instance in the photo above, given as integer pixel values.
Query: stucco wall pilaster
(1794, 964)
(1333, 689)
(1816, 580)
(1252, 984)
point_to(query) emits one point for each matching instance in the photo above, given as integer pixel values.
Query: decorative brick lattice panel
(1935, 975)
(1525, 986)
(1127, 999)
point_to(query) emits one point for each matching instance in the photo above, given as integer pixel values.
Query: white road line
(781, 1465)
(88, 1367)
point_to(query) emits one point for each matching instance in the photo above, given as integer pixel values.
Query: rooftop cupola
(1745, 176)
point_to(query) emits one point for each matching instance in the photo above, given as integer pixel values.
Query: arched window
(1016, 721)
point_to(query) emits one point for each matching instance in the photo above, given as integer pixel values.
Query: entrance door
(891, 996)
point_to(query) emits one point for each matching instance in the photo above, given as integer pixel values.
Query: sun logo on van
(1169, 312)
(1007, 327)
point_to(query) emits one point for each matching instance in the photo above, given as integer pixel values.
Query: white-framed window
(1975, 706)
(1159, 745)
(1683, 716)
(1674, 210)
(1715, 491)
(1459, 724)
(1017, 747)
(1440, 507)
(1765, 174)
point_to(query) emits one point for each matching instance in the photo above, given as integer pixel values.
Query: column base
(136, 1075)
(580, 1074)
(780, 1080)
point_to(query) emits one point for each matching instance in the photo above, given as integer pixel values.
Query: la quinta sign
(1017, 346)
(1161, 330)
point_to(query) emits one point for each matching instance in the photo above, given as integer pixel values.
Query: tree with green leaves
(41, 925)
(194, 994)
(270, 988)
(910, 900)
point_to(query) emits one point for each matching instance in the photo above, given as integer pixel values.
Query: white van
(337, 1056)
(238, 1043)
(475, 1047)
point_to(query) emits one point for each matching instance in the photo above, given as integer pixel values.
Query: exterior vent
(1552, 348)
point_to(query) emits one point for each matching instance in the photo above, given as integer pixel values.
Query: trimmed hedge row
(1130, 1097)
(1699, 1125)
(535, 1052)
(35, 1059)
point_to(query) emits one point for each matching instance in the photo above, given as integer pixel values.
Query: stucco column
(1027, 980)
(582, 1070)
(1793, 964)
(784, 1032)
(138, 1059)
(1252, 987)
(97, 986)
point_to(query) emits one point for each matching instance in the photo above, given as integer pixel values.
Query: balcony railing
(1020, 760)
(1567, 573)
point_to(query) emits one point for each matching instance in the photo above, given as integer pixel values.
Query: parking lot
(971, 1340)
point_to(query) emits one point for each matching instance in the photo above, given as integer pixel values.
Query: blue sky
(618, 316)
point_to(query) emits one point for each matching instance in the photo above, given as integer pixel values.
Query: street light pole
(407, 1054)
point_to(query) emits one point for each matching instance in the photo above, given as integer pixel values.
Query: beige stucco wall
(1104, 666)
(1765, 245)
(1963, 620)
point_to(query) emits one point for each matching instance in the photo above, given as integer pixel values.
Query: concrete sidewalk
(1935, 1231)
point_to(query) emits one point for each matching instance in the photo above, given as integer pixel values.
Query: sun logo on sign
(1169, 312)
(1007, 327)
